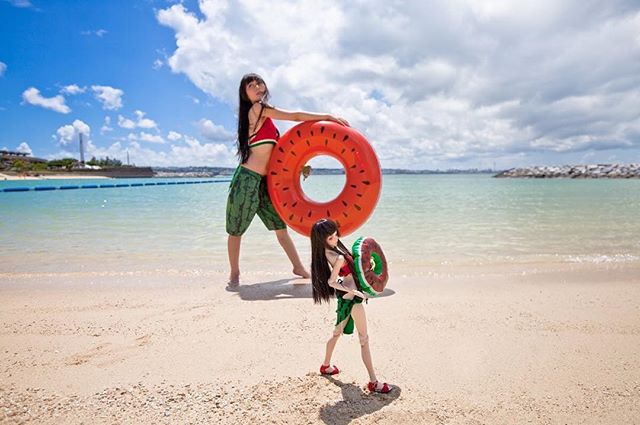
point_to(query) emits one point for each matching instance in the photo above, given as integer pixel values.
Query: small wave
(602, 258)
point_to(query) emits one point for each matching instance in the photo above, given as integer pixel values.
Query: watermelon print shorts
(248, 196)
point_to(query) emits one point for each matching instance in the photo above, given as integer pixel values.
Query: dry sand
(547, 345)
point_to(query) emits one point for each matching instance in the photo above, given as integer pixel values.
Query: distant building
(7, 158)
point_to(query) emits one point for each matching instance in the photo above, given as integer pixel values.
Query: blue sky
(434, 84)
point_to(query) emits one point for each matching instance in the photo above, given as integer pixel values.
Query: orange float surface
(355, 203)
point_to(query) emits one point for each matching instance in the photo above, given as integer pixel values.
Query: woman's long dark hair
(320, 270)
(244, 105)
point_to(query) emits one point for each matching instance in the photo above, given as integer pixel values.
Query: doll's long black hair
(244, 105)
(320, 270)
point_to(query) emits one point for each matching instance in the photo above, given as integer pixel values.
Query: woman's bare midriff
(259, 159)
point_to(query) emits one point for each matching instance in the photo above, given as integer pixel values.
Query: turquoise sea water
(420, 220)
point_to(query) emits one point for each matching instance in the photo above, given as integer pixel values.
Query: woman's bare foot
(302, 272)
(234, 279)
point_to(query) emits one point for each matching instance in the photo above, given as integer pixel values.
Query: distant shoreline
(589, 171)
(224, 171)
(9, 177)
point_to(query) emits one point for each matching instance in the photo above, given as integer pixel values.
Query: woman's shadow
(355, 403)
(281, 289)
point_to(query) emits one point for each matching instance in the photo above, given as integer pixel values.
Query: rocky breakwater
(593, 171)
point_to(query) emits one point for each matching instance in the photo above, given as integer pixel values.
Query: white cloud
(197, 153)
(111, 98)
(57, 103)
(193, 152)
(99, 33)
(126, 122)
(214, 132)
(145, 137)
(73, 89)
(174, 136)
(24, 148)
(20, 3)
(141, 121)
(106, 127)
(437, 83)
(144, 122)
(3, 68)
(68, 134)
(157, 64)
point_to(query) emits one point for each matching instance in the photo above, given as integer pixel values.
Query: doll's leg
(360, 320)
(331, 344)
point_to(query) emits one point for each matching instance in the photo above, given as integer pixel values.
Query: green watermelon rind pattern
(357, 254)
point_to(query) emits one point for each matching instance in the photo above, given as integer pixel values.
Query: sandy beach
(546, 345)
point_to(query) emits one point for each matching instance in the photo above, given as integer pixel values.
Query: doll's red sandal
(323, 370)
(373, 387)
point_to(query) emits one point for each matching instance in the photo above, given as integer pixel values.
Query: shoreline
(62, 176)
(553, 346)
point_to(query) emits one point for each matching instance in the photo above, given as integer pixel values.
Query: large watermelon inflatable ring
(371, 265)
(351, 208)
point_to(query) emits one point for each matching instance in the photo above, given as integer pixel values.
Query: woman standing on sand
(248, 195)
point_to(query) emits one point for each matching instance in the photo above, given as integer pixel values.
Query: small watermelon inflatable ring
(351, 208)
(371, 265)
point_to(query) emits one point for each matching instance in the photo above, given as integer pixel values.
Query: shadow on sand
(281, 289)
(355, 403)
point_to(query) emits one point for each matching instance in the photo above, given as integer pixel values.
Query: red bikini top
(344, 270)
(267, 134)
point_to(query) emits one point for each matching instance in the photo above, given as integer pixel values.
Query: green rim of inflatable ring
(373, 256)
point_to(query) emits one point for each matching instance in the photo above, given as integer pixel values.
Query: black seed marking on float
(285, 188)
(291, 217)
(344, 203)
(359, 195)
(294, 204)
(343, 149)
(353, 149)
(293, 153)
(277, 184)
(279, 161)
(328, 213)
(334, 135)
(322, 129)
(280, 149)
(285, 170)
(326, 142)
(298, 133)
(311, 132)
(367, 182)
(353, 166)
(345, 214)
(362, 171)
(309, 214)
(358, 207)
(284, 204)
(291, 142)
(308, 143)
(273, 173)
(300, 219)
(353, 186)
(346, 136)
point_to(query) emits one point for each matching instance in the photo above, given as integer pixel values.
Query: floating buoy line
(104, 186)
